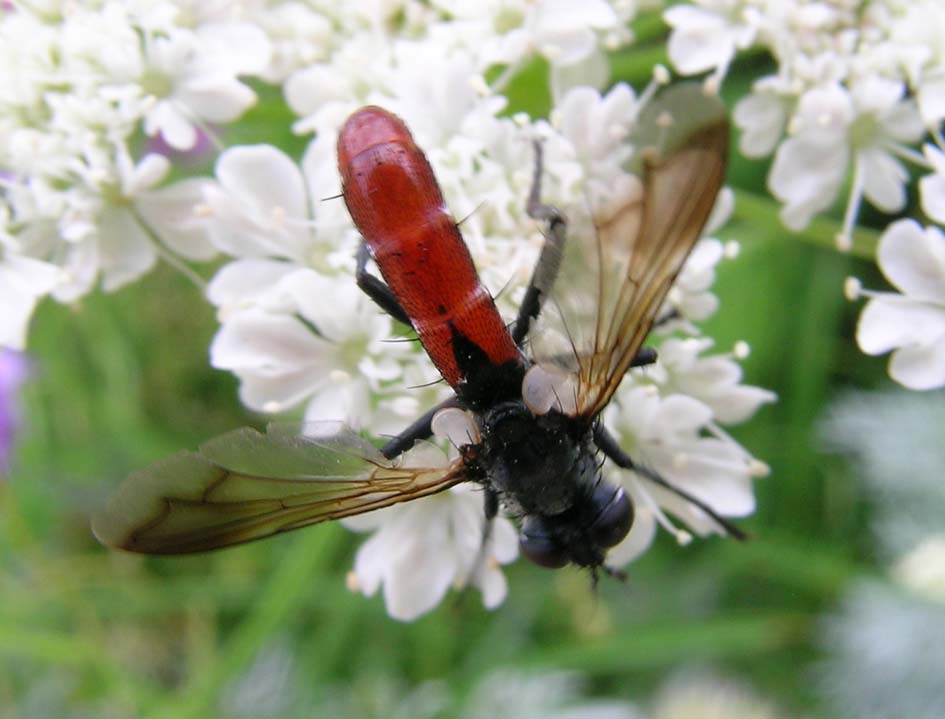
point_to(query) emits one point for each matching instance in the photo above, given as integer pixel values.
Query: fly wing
(245, 485)
(617, 272)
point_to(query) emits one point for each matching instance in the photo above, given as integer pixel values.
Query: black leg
(643, 357)
(549, 261)
(608, 445)
(420, 429)
(491, 509)
(377, 290)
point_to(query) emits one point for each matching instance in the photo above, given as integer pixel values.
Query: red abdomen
(396, 204)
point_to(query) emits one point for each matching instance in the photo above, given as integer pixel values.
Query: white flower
(690, 299)
(868, 122)
(916, 33)
(675, 436)
(706, 38)
(761, 116)
(565, 33)
(115, 227)
(259, 206)
(912, 324)
(308, 338)
(597, 126)
(193, 76)
(715, 380)
(421, 549)
(78, 82)
(298, 35)
(23, 281)
(840, 91)
(263, 206)
(932, 186)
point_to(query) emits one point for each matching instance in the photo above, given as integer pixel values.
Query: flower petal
(914, 260)
(806, 176)
(263, 177)
(884, 179)
(23, 281)
(125, 250)
(761, 117)
(932, 193)
(919, 368)
(170, 212)
(893, 321)
(241, 283)
(268, 343)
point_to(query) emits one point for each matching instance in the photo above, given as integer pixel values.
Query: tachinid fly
(530, 397)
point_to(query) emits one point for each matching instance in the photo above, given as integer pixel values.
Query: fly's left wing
(615, 276)
(245, 485)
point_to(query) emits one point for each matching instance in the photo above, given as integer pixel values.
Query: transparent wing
(245, 485)
(617, 271)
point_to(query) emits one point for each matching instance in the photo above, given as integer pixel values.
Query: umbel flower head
(80, 207)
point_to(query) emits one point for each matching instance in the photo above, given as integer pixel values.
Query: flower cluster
(854, 92)
(80, 204)
(80, 80)
(853, 89)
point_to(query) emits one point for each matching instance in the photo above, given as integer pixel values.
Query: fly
(532, 395)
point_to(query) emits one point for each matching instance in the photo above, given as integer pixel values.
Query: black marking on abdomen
(483, 382)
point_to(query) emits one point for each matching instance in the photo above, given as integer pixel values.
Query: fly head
(599, 520)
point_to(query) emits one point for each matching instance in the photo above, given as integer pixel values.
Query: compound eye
(614, 519)
(538, 545)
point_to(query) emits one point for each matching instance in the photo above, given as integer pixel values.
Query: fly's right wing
(616, 271)
(245, 485)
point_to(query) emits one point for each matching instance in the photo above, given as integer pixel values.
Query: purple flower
(203, 148)
(14, 369)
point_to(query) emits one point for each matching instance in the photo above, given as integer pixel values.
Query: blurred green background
(123, 379)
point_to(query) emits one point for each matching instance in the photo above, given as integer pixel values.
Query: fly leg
(644, 356)
(609, 446)
(376, 289)
(420, 429)
(549, 261)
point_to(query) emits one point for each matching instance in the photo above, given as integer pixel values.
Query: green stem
(752, 208)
